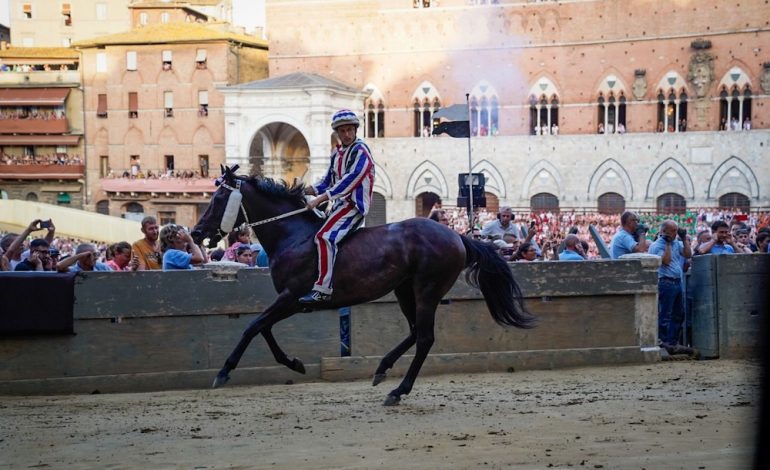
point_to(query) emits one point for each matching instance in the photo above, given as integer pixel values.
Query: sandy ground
(670, 415)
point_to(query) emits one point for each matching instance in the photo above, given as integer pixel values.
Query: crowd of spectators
(156, 175)
(41, 159)
(33, 113)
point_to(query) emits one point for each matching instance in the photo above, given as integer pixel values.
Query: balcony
(34, 126)
(159, 186)
(39, 171)
(37, 77)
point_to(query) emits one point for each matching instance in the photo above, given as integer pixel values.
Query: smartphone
(45, 223)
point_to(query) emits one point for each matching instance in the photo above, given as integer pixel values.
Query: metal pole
(470, 167)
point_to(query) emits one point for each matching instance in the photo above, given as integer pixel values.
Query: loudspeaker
(478, 180)
(480, 201)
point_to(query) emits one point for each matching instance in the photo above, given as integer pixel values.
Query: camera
(682, 232)
(45, 223)
(641, 231)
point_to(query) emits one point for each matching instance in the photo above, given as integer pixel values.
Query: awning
(63, 198)
(33, 96)
(39, 139)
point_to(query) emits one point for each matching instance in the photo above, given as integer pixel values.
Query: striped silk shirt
(350, 176)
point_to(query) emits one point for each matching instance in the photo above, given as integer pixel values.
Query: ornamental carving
(701, 72)
(639, 87)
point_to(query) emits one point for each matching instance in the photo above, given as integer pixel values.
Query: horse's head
(223, 212)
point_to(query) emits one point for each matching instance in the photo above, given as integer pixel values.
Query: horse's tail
(490, 273)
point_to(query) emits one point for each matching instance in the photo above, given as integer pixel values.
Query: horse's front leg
(283, 307)
(280, 356)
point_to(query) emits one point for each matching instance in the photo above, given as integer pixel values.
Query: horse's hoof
(378, 378)
(297, 366)
(220, 380)
(391, 400)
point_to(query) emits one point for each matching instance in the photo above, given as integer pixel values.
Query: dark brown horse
(418, 259)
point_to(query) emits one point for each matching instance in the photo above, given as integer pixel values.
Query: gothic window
(423, 116)
(485, 111)
(735, 201)
(672, 111)
(544, 202)
(375, 119)
(735, 109)
(671, 203)
(612, 114)
(611, 203)
(543, 115)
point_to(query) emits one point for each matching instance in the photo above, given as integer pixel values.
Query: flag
(457, 124)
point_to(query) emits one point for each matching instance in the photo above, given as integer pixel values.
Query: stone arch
(279, 150)
(426, 91)
(495, 183)
(544, 86)
(602, 173)
(375, 95)
(672, 80)
(133, 142)
(737, 77)
(167, 137)
(102, 141)
(733, 175)
(382, 183)
(673, 170)
(427, 178)
(612, 83)
(202, 138)
(546, 171)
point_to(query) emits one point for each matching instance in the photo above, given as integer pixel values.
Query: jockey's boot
(314, 297)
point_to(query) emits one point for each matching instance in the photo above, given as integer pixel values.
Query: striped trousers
(343, 219)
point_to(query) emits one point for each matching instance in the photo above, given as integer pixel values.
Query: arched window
(735, 109)
(134, 208)
(672, 111)
(611, 203)
(544, 202)
(31, 197)
(423, 117)
(544, 115)
(375, 119)
(735, 201)
(612, 114)
(103, 207)
(377, 211)
(484, 111)
(671, 203)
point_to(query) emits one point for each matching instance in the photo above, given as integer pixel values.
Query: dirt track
(691, 415)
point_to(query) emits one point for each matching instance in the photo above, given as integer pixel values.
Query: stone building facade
(543, 79)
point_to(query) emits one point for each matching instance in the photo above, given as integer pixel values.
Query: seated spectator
(38, 259)
(84, 259)
(179, 249)
(722, 241)
(121, 257)
(572, 249)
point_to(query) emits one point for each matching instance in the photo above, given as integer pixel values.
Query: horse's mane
(280, 189)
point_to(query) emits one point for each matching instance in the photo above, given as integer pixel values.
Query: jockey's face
(347, 134)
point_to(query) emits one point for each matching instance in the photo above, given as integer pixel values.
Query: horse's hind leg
(283, 307)
(405, 295)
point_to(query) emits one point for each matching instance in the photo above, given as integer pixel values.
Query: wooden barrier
(156, 331)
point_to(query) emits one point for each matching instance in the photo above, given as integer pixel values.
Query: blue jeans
(670, 310)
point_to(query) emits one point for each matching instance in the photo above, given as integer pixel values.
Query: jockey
(348, 184)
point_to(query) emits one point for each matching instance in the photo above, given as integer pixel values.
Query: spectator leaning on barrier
(84, 259)
(147, 250)
(179, 249)
(121, 257)
(573, 250)
(721, 242)
(673, 248)
(630, 238)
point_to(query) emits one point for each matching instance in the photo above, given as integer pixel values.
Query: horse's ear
(234, 168)
(222, 168)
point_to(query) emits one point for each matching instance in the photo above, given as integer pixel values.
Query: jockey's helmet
(344, 117)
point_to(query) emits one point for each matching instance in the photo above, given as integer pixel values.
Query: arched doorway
(133, 211)
(735, 201)
(493, 204)
(611, 203)
(281, 146)
(424, 203)
(103, 207)
(31, 197)
(671, 203)
(377, 212)
(544, 202)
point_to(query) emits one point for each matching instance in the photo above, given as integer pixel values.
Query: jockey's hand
(310, 191)
(315, 202)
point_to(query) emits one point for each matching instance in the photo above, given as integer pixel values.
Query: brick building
(657, 79)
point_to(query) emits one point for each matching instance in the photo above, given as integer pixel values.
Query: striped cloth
(350, 176)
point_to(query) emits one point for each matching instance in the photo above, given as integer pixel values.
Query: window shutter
(101, 62)
(27, 8)
(101, 107)
(65, 9)
(203, 97)
(131, 60)
(168, 99)
(166, 56)
(133, 101)
(200, 56)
